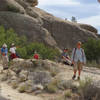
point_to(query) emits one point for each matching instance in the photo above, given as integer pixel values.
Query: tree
(92, 49)
(73, 19)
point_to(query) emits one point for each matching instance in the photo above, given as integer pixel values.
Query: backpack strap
(82, 54)
(74, 53)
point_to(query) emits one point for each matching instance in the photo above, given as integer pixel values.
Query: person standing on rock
(4, 53)
(78, 60)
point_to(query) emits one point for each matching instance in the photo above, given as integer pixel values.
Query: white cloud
(68, 8)
(93, 20)
(57, 2)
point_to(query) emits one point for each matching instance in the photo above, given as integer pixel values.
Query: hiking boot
(78, 78)
(74, 76)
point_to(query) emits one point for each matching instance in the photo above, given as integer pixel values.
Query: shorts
(78, 65)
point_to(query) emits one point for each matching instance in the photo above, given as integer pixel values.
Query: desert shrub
(52, 87)
(14, 85)
(66, 84)
(84, 83)
(67, 94)
(88, 90)
(22, 89)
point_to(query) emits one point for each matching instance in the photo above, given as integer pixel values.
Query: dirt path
(67, 73)
(11, 94)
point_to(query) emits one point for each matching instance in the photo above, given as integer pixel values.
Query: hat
(79, 42)
(4, 45)
(12, 44)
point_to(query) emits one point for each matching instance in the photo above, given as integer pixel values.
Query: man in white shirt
(78, 59)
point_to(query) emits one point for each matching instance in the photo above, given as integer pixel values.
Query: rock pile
(29, 75)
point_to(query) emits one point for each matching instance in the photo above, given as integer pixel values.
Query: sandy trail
(11, 94)
(90, 72)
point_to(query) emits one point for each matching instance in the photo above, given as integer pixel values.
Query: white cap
(5, 45)
(12, 44)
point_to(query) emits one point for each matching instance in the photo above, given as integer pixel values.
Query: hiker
(78, 59)
(65, 57)
(4, 54)
(13, 51)
(36, 55)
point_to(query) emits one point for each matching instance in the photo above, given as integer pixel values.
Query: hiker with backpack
(78, 59)
(4, 54)
(65, 57)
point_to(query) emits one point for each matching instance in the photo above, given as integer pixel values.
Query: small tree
(73, 19)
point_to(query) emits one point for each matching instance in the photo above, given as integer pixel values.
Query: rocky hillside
(38, 25)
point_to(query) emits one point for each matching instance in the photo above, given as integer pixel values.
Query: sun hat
(5, 45)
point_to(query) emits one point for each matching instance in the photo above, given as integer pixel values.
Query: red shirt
(36, 56)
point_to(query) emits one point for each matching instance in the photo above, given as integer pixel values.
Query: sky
(85, 11)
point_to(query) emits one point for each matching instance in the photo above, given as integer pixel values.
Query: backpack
(75, 53)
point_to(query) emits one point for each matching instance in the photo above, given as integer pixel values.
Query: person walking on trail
(78, 59)
(65, 57)
(4, 54)
(13, 51)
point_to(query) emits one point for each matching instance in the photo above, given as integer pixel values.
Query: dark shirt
(65, 54)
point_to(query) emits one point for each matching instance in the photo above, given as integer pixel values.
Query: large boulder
(27, 3)
(32, 2)
(40, 77)
(65, 33)
(25, 25)
(89, 28)
(11, 5)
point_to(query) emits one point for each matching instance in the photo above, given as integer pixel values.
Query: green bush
(92, 49)
(44, 51)
(67, 94)
(52, 87)
(22, 52)
(26, 49)
(9, 36)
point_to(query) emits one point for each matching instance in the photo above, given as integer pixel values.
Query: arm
(72, 55)
(64, 57)
(84, 57)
